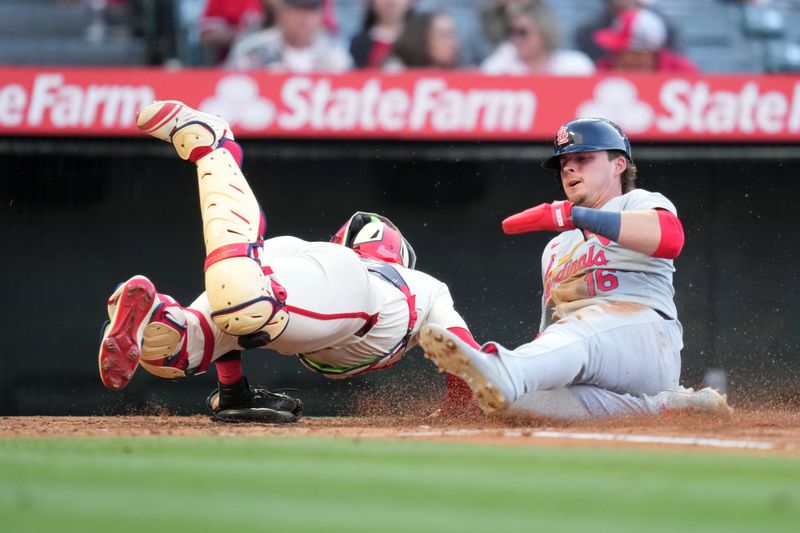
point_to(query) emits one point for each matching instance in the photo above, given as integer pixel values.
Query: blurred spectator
(467, 17)
(298, 42)
(223, 21)
(428, 40)
(494, 19)
(584, 39)
(113, 19)
(532, 46)
(637, 42)
(383, 23)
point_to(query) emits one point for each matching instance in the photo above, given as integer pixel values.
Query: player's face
(590, 179)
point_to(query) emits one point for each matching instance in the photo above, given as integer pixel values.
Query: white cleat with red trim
(483, 372)
(186, 128)
(130, 309)
(145, 328)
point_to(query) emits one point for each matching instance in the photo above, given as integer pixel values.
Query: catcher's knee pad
(243, 299)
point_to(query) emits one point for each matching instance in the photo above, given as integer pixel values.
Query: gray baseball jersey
(580, 268)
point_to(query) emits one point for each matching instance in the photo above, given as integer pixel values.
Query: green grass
(245, 484)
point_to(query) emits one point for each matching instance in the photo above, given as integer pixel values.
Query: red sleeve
(671, 243)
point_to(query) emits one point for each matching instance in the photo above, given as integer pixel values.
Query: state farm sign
(428, 104)
(50, 101)
(412, 105)
(420, 106)
(698, 108)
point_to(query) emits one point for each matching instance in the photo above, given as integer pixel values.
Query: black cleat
(242, 403)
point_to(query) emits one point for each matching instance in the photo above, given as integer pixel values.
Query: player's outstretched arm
(654, 232)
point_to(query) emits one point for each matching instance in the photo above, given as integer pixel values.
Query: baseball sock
(234, 148)
(229, 368)
(459, 396)
(229, 144)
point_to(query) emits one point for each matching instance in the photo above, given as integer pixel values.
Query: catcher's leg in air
(241, 296)
(240, 293)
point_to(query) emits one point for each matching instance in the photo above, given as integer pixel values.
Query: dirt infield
(755, 431)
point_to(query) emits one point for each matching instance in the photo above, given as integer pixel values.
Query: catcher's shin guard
(240, 294)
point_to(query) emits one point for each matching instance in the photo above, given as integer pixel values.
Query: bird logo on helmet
(562, 137)
(376, 237)
(587, 135)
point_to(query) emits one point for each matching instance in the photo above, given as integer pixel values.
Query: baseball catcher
(345, 307)
(610, 338)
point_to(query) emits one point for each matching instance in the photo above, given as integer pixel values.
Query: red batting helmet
(374, 236)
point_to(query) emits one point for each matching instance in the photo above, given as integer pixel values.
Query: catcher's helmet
(588, 135)
(374, 236)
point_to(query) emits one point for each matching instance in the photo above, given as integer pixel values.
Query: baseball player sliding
(344, 307)
(610, 339)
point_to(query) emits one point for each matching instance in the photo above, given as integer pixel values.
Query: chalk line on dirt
(639, 439)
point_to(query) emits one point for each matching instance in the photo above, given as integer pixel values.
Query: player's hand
(556, 216)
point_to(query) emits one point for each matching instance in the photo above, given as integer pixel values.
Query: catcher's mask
(374, 236)
(588, 135)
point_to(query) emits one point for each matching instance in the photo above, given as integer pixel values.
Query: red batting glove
(544, 217)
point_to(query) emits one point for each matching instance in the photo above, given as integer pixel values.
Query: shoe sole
(262, 415)
(119, 349)
(449, 357)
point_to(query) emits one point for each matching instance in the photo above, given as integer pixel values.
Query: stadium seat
(711, 32)
(187, 41)
(47, 32)
(763, 21)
